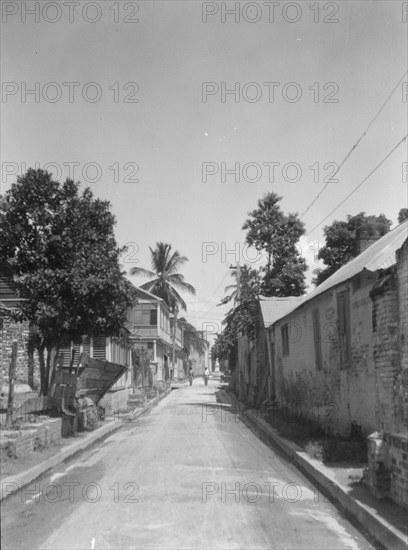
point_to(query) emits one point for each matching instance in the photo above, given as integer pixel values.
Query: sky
(154, 104)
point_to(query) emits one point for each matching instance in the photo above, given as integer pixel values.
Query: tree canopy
(60, 245)
(402, 215)
(241, 318)
(277, 235)
(342, 242)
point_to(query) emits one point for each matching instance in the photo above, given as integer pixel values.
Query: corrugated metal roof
(380, 255)
(274, 308)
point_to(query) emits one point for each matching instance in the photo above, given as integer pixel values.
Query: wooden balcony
(146, 332)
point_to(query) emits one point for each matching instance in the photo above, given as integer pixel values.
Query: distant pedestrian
(191, 376)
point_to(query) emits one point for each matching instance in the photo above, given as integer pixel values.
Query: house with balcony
(151, 325)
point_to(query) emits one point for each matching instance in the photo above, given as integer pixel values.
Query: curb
(13, 484)
(376, 527)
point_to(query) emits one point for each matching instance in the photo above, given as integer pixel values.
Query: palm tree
(193, 338)
(165, 264)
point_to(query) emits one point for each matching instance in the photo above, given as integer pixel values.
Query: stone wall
(30, 437)
(9, 331)
(115, 401)
(398, 463)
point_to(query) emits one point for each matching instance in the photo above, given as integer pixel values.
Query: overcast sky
(144, 99)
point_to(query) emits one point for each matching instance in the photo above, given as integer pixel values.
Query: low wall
(114, 401)
(30, 437)
(387, 475)
(398, 453)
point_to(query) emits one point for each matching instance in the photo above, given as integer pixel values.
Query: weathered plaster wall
(362, 394)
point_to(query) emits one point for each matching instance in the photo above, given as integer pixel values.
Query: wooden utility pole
(238, 269)
(12, 375)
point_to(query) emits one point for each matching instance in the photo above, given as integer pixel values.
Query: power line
(357, 186)
(198, 313)
(355, 145)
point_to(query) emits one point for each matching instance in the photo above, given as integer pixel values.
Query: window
(343, 324)
(149, 345)
(138, 317)
(285, 340)
(317, 338)
(153, 317)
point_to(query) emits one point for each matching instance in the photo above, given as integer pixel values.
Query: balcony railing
(149, 331)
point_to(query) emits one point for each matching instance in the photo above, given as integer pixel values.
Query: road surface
(188, 475)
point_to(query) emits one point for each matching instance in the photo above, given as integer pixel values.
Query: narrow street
(187, 475)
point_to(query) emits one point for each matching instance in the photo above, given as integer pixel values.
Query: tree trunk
(55, 356)
(48, 369)
(43, 378)
(12, 375)
(30, 366)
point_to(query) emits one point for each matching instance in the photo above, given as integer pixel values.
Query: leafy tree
(223, 347)
(166, 280)
(271, 231)
(342, 242)
(61, 247)
(241, 318)
(402, 215)
(193, 339)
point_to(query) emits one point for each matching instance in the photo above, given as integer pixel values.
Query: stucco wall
(362, 394)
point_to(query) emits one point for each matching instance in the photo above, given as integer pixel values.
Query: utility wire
(198, 313)
(355, 145)
(357, 186)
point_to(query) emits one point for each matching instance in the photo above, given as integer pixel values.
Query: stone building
(340, 356)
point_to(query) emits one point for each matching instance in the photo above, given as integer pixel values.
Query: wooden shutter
(99, 347)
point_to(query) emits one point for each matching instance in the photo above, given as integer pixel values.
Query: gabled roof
(380, 255)
(148, 295)
(275, 308)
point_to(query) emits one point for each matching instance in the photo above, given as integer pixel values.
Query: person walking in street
(206, 376)
(191, 376)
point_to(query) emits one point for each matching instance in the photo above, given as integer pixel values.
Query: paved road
(188, 475)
